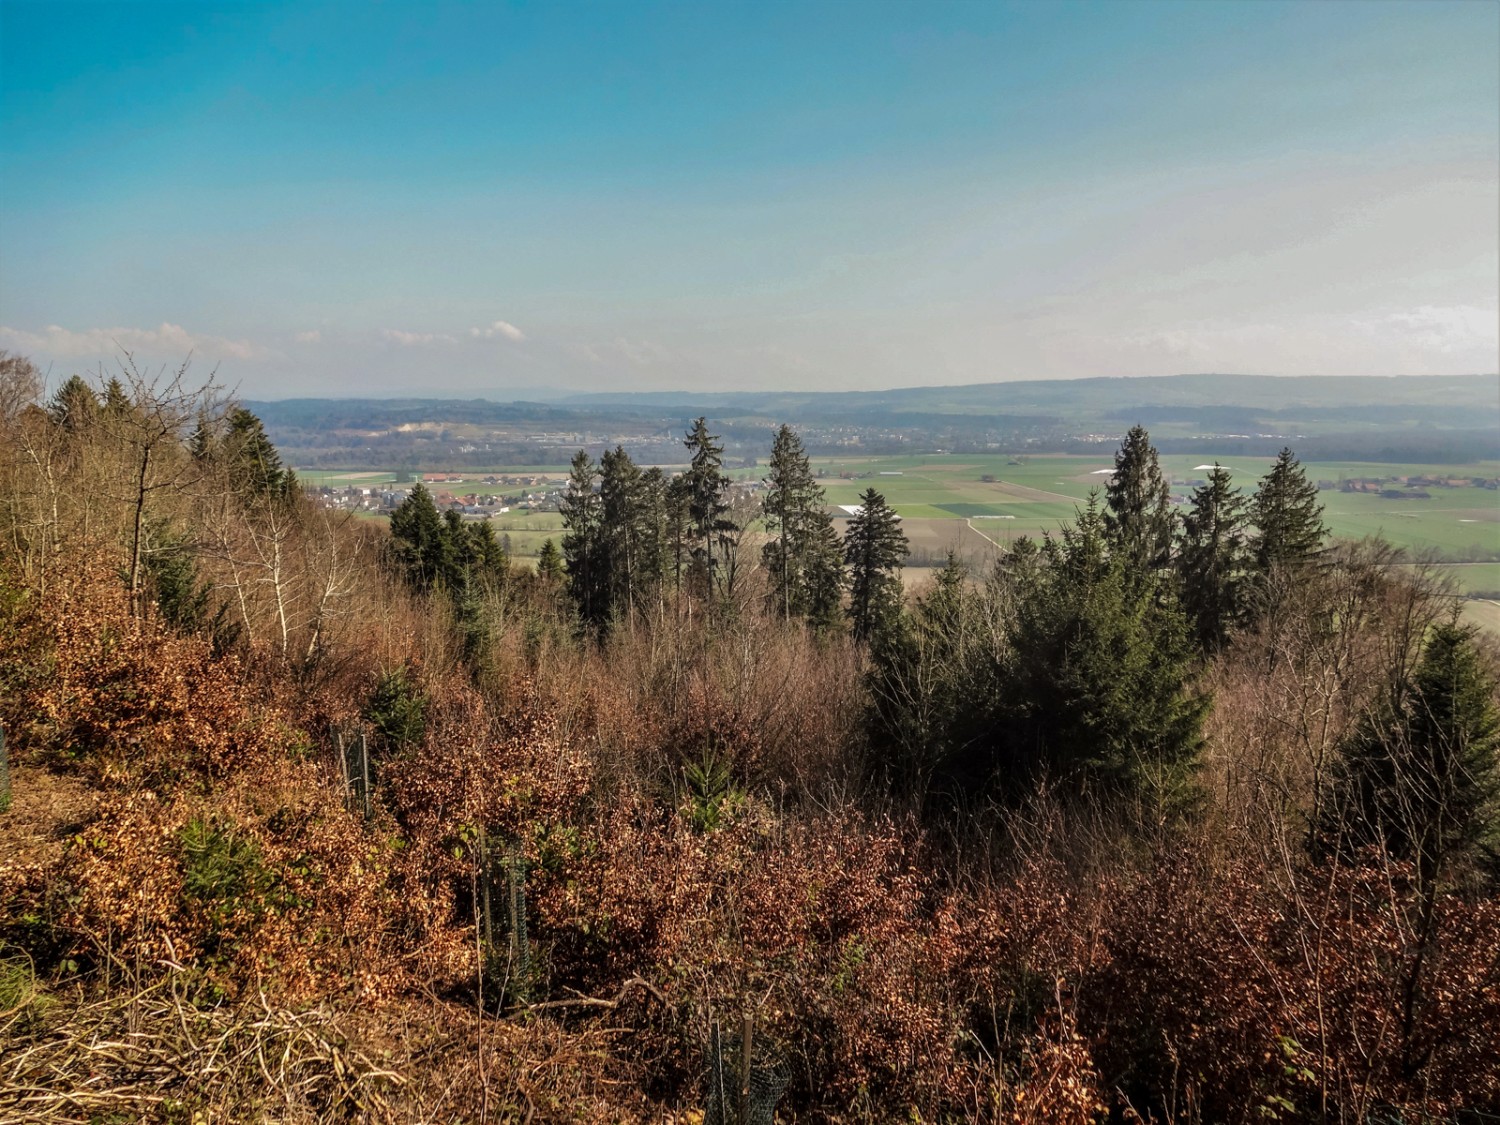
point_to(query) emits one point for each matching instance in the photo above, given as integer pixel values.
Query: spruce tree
(793, 501)
(1287, 516)
(583, 542)
(1213, 559)
(1096, 693)
(1421, 779)
(654, 528)
(74, 405)
(625, 529)
(824, 575)
(707, 490)
(1138, 514)
(254, 463)
(420, 542)
(874, 548)
(549, 563)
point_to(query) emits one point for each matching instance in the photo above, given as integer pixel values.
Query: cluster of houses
(1407, 486)
(533, 493)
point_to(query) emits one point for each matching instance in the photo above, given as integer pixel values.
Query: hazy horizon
(339, 200)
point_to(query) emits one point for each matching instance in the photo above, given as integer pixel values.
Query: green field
(949, 504)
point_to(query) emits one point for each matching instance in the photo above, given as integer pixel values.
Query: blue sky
(420, 198)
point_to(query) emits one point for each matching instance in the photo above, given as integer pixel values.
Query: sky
(506, 200)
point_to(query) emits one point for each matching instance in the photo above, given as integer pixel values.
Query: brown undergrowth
(203, 925)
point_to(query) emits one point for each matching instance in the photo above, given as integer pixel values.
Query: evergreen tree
(484, 554)
(1213, 559)
(549, 563)
(874, 548)
(792, 504)
(1288, 517)
(654, 528)
(183, 597)
(254, 463)
(117, 402)
(202, 442)
(1095, 691)
(707, 489)
(74, 406)
(420, 542)
(469, 555)
(824, 576)
(583, 542)
(1421, 779)
(1138, 513)
(679, 526)
(622, 529)
(929, 686)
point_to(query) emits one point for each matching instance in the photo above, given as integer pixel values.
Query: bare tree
(148, 420)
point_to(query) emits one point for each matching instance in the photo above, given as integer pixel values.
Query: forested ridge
(1179, 815)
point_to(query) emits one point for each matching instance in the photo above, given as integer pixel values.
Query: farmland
(976, 503)
(1003, 498)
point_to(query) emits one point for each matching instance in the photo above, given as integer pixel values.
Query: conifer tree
(74, 405)
(484, 555)
(1096, 690)
(1421, 779)
(792, 504)
(707, 492)
(1138, 514)
(824, 575)
(654, 527)
(254, 463)
(420, 542)
(549, 563)
(627, 525)
(874, 548)
(1213, 559)
(1287, 516)
(583, 542)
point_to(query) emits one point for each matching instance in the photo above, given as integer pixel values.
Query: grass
(1485, 614)
(1042, 493)
(1035, 494)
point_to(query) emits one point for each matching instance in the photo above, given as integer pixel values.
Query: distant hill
(1437, 399)
(1438, 419)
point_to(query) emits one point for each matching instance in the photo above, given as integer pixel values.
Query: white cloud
(312, 337)
(500, 328)
(1446, 329)
(642, 353)
(415, 339)
(170, 340)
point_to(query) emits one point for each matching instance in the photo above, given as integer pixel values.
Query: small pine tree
(824, 575)
(420, 543)
(874, 548)
(1137, 506)
(1421, 779)
(549, 563)
(1096, 690)
(1287, 516)
(1213, 560)
(254, 463)
(397, 709)
(583, 542)
(707, 494)
(74, 406)
(791, 508)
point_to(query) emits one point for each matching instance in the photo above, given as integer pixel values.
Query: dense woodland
(1175, 816)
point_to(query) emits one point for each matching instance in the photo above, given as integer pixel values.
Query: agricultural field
(1483, 613)
(946, 502)
(525, 532)
(1036, 494)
